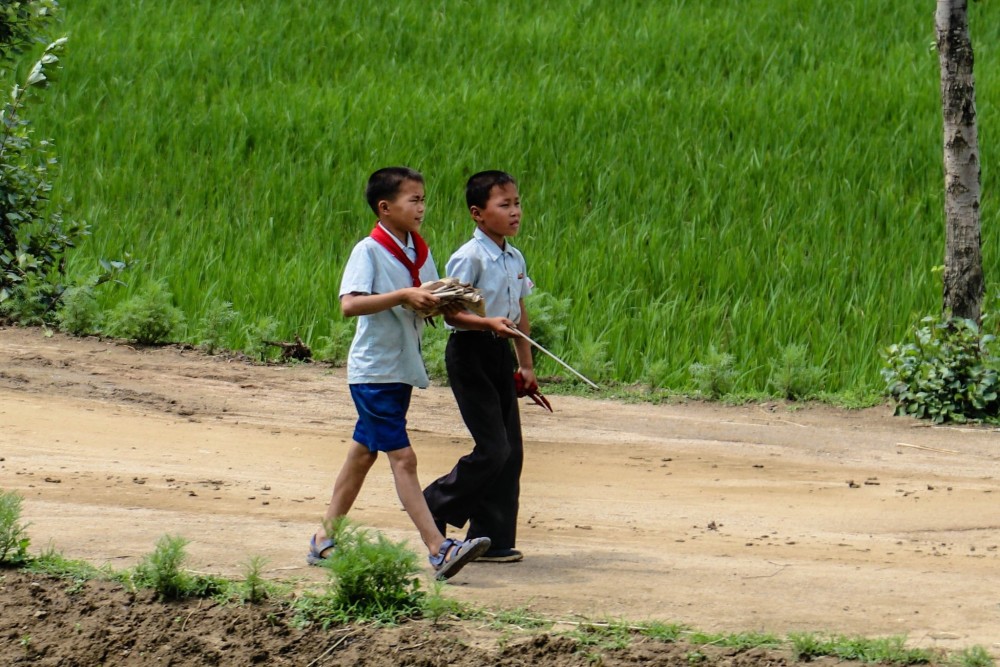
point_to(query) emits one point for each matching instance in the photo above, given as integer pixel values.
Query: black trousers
(484, 486)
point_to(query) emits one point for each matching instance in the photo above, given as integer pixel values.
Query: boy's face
(501, 217)
(405, 212)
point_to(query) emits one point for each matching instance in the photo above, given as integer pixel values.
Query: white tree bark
(963, 264)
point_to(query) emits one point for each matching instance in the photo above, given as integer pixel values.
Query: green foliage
(432, 347)
(975, 656)
(161, 571)
(34, 237)
(435, 606)
(887, 650)
(372, 578)
(215, 325)
(591, 359)
(793, 377)
(265, 329)
(334, 348)
(14, 540)
(657, 373)
(768, 225)
(738, 640)
(54, 564)
(549, 316)
(715, 376)
(78, 312)
(255, 588)
(946, 373)
(147, 317)
(664, 632)
(606, 636)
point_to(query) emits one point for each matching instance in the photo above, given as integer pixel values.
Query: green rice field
(737, 175)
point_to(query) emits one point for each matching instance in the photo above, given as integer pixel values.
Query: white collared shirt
(386, 345)
(501, 274)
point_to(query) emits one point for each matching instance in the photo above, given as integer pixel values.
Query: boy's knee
(403, 460)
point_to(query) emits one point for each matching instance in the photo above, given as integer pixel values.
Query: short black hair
(477, 189)
(386, 182)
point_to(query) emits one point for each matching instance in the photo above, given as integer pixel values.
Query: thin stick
(561, 362)
(929, 449)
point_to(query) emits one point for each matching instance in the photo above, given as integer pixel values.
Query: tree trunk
(963, 261)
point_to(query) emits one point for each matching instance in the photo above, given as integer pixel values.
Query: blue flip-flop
(315, 556)
(456, 554)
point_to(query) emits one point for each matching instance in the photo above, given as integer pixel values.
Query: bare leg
(411, 495)
(349, 481)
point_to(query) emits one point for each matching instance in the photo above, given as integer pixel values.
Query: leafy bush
(947, 373)
(433, 348)
(657, 373)
(258, 334)
(334, 348)
(34, 237)
(793, 377)
(79, 313)
(715, 376)
(13, 539)
(548, 316)
(591, 359)
(148, 317)
(161, 571)
(371, 579)
(215, 325)
(255, 588)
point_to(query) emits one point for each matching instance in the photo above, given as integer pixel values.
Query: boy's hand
(501, 326)
(418, 299)
(525, 384)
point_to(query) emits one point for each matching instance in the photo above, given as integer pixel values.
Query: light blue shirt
(386, 345)
(501, 274)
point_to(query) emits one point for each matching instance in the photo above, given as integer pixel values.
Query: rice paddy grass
(737, 175)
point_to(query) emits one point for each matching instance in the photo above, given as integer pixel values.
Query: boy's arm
(356, 303)
(463, 319)
(522, 349)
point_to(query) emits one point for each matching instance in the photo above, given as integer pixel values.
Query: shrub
(258, 334)
(255, 588)
(372, 578)
(945, 373)
(79, 313)
(34, 237)
(793, 377)
(13, 539)
(592, 361)
(148, 317)
(548, 316)
(161, 571)
(215, 324)
(715, 376)
(334, 348)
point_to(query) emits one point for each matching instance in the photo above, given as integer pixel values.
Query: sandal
(456, 554)
(315, 556)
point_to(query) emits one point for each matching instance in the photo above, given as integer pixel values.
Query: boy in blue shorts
(384, 274)
(483, 489)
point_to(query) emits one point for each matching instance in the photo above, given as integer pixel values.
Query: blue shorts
(382, 410)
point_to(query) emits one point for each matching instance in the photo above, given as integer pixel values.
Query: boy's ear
(382, 206)
(476, 213)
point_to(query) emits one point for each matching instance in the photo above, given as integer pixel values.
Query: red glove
(531, 391)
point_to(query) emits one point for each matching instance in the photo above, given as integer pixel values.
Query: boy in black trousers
(484, 486)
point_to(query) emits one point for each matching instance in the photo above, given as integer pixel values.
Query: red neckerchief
(383, 238)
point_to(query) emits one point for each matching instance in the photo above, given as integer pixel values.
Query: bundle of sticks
(453, 291)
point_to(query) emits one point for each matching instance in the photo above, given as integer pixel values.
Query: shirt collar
(489, 245)
(409, 245)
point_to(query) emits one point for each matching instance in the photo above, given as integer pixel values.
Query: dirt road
(731, 519)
